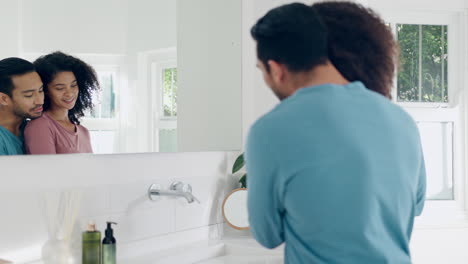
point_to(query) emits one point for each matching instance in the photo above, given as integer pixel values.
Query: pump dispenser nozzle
(108, 245)
(109, 230)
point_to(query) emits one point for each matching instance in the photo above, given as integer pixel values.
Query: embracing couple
(41, 105)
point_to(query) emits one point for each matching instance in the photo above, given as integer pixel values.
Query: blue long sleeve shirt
(9, 143)
(335, 172)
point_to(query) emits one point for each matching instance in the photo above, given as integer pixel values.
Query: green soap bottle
(91, 245)
(109, 246)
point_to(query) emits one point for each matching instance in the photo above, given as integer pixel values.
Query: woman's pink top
(44, 135)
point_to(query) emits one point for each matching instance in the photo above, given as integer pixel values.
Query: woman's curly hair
(50, 65)
(360, 44)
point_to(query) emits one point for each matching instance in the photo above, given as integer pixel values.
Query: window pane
(437, 142)
(169, 92)
(104, 101)
(423, 59)
(167, 140)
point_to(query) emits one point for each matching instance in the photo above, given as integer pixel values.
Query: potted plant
(238, 165)
(234, 208)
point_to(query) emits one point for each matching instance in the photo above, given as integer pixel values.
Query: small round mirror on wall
(235, 209)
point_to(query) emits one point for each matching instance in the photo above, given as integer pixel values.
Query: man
(21, 97)
(336, 170)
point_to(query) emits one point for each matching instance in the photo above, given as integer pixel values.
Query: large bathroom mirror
(170, 70)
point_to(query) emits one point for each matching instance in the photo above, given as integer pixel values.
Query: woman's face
(63, 91)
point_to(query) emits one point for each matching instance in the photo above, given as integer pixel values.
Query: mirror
(170, 71)
(235, 209)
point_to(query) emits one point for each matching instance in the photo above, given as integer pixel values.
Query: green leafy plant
(239, 164)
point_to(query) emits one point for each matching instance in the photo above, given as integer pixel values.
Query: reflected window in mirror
(103, 122)
(105, 101)
(165, 72)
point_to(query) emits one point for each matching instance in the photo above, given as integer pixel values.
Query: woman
(68, 85)
(360, 45)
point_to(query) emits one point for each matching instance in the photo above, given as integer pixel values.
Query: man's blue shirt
(9, 143)
(337, 173)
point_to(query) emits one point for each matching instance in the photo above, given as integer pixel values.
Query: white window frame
(163, 122)
(443, 213)
(150, 62)
(115, 65)
(157, 83)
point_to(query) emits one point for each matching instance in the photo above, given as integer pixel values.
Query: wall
(9, 28)
(47, 27)
(209, 75)
(440, 245)
(114, 188)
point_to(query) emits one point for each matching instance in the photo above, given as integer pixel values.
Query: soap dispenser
(109, 246)
(91, 245)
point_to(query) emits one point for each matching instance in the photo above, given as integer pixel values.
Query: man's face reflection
(28, 95)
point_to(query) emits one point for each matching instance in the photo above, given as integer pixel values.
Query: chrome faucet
(177, 189)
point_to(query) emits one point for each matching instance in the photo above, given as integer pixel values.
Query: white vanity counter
(229, 250)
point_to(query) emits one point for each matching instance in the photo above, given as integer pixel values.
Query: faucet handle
(177, 189)
(181, 187)
(186, 189)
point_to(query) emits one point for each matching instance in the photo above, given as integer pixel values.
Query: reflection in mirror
(156, 95)
(235, 209)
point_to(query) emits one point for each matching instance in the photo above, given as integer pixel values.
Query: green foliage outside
(434, 59)
(170, 92)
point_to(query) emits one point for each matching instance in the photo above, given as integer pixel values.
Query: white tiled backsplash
(114, 187)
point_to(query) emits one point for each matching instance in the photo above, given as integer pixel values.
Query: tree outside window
(423, 61)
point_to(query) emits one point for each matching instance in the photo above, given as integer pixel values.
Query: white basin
(213, 252)
(248, 253)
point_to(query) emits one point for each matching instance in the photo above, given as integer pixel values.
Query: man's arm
(264, 206)
(421, 192)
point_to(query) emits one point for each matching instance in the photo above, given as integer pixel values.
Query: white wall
(209, 75)
(9, 29)
(152, 25)
(439, 245)
(75, 26)
(114, 188)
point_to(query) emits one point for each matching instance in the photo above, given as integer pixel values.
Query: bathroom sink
(233, 253)
(213, 252)
(229, 259)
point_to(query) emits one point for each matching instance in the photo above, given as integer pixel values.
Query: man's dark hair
(50, 65)
(292, 35)
(9, 68)
(360, 45)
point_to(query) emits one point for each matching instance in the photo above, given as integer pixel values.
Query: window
(104, 101)
(422, 83)
(423, 61)
(160, 70)
(426, 86)
(165, 76)
(102, 121)
(169, 92)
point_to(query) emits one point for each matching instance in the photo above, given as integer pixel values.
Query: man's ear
(5, 100)
(277, 71)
